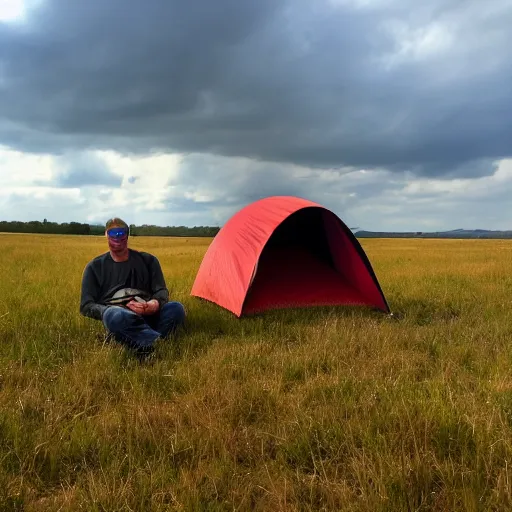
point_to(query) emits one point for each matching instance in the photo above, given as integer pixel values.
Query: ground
(318, 409)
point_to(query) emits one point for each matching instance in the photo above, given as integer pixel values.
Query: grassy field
(320, 409)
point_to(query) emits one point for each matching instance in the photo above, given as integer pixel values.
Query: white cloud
(37, 203)
(430, 204)
(11, 10)
(417, 43)
(467, 189)
(18, 168)
(199, 189)
(26, 192)
(151, 172)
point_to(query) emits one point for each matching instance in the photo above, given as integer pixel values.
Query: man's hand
(137, 307)
(144, 308)
(152, 307)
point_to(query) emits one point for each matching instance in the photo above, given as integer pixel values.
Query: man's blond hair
(116, 222)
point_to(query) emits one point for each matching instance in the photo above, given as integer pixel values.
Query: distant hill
(454, 233)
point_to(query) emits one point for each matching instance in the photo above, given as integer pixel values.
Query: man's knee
(115, 318)
(174, 311)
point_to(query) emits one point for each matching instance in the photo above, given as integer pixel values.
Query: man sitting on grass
(126, 290)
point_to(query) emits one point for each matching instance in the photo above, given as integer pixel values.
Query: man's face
(117, 238)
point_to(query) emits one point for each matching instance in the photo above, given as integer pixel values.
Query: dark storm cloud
(217, 181)
(311, 83)
(84, 169)
(218, 186)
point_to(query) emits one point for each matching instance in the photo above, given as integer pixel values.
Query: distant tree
(78, 228)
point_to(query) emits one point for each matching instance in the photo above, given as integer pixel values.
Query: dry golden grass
(318, 409)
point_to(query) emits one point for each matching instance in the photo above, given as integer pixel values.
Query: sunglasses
(117, 232)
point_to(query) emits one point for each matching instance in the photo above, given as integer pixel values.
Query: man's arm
(90, 291)
(159, 289)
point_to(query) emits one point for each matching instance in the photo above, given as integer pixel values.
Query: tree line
(78, 228)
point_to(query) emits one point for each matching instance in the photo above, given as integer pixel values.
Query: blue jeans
(141, 332)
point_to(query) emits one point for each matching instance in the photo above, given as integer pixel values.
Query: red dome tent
(283, 252)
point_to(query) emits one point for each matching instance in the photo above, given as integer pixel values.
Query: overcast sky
(395, 114)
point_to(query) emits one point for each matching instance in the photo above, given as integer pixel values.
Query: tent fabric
(282, 252)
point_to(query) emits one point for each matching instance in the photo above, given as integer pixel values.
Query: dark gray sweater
(103, 276)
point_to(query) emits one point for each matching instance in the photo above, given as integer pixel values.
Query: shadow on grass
(306, 315)
(208, 317)
(208, 324)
